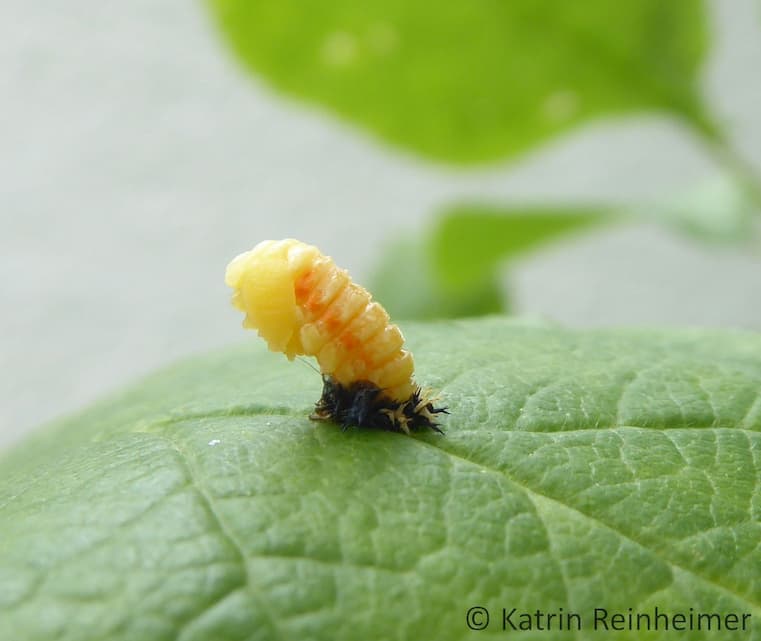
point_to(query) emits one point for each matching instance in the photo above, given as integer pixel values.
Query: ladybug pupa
(301, 303)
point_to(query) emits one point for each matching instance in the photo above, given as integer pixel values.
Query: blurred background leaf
(722, 208)
(407, 285)
(454, 270)
(469, 240)
(476, 80)
(484, 80)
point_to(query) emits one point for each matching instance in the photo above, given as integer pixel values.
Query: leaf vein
(534, 492)
(226, 532)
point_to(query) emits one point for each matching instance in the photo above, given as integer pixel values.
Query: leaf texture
(579, 470)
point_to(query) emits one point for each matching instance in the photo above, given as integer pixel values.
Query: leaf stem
(728, 157)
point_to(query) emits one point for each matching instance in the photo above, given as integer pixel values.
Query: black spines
(363, 404)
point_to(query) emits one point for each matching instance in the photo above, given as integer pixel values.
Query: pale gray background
(136, 159)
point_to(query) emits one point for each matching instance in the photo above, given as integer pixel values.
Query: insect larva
(302, 303)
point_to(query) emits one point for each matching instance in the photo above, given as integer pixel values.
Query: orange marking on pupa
(303, 286)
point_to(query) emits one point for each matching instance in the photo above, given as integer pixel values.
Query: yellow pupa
(301, 303)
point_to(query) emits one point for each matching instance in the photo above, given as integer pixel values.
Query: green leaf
(469, 241)
(476, 80)
(408, 285)
(453, 271)
(579, 470)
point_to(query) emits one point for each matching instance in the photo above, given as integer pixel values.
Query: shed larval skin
(300, 302)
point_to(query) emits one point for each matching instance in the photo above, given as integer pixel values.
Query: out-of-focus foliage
(723, 208)
(469, 241)
(454, 270)
(408, 285)
(475, 80)
(481, 80)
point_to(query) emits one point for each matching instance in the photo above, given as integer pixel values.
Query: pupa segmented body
(302, 303)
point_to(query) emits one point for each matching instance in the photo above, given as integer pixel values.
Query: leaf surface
(476, 80)
(608, 469)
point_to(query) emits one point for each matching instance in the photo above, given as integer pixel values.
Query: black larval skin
(363, 404)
